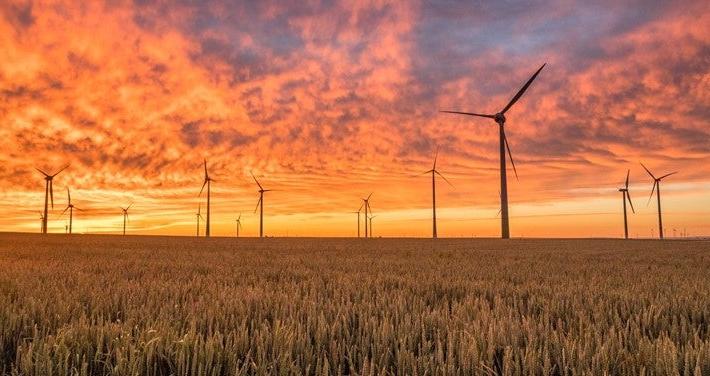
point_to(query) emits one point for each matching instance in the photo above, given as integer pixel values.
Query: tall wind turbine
(366, 205)
(207, 182)
(435, 172)
(260, 204)
(239, 223)
(503, 145)
(48, 194)
(71, 208)
(657, 187)
(625, 194)
(198, 215)
(125, 217)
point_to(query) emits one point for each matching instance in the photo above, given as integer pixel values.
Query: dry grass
(158, 306)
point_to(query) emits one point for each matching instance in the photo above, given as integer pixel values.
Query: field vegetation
(111, 305)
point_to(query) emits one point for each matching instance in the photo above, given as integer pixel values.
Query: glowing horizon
(328, 101)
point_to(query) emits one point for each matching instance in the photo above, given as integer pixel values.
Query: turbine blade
(51, 193)
(129, 206)
(368, 199)
(435, 156)
(257, 182)
(628, 195)
(627, 178)
(522, 90)
(469, 114)
(64, 211)
(75, 208)
(512, 162)
(444, 177)
(359, 210)
(652, 189)
(649, 172)
(240, 217)
(42, 172)
(206, 176)
(667, 175)
(201, 189)
(62, 169)
(257, 204)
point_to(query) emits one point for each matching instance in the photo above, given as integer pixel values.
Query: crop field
(111, 305)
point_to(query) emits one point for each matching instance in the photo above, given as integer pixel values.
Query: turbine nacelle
(499, 118)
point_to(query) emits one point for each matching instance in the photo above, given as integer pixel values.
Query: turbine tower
(657, 188)
(435, 172)
(260, 204)
(625, 195)
(71, 208)
(48, 194)
(503, 145)
(373, 216)
(239, 223)
(366, 205)
(125, 217)
(207, 182)
(198, 216)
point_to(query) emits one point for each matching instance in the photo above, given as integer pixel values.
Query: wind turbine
(503, 145)
(198, 215)
(373, 216)
(41, 222)
(625, 194)
(657, 187)
(207, 182)
(71, 208)
(239, 223)
(125, 217)
(48, 194)
(366, 205)
(435, 172)
(260, 204)
(358, 219)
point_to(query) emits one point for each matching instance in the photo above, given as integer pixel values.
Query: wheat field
(111, 305)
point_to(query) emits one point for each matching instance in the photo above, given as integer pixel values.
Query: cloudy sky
(327, 101)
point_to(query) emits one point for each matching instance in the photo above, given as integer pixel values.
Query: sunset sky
(327, 101)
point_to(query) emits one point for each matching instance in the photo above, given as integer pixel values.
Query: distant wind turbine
(625, 195)
(366, 205)
(503, 145)
(657, 188)
(71, 208)
(41, 222)
(260, 204)
(207, 182)
(239, 223)
(48, 194)
(358, 219)
(198, 216)
(373, 216)
(435, 172)
(125, 217)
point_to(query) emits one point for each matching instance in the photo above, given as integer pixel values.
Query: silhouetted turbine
(239, 223)
(366, 205)
(71, 208)
(373, 216)
(208, 182)
(657, 188)
(625, 194)
(503, 145)
(48, 194)
(358, 219)
(199, 216)
(125, 217)
(41, 222)
(260, 204)
(435, 172)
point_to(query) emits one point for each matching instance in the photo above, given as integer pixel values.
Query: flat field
(97, 305)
